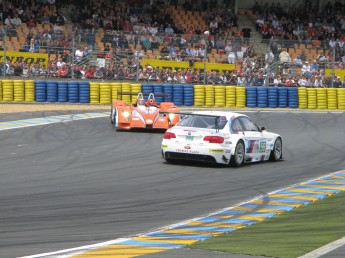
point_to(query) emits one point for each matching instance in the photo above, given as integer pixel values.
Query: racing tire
(277, 152)
(237, 160)
(112, 116)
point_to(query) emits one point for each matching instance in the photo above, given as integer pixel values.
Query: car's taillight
(214, 139)
(169, 135)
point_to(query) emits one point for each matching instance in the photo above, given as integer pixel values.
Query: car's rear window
(202, 121)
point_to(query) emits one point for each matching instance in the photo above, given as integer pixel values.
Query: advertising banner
(30, 58)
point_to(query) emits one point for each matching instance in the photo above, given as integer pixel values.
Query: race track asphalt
(71, 184)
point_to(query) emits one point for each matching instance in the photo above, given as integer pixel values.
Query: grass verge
(288, 235)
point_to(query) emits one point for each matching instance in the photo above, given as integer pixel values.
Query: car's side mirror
(263, 129)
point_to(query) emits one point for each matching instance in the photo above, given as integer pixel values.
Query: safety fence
(181, 94)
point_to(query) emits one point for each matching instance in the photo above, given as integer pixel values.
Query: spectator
(314, 67)
(306, 69)
(284, 57)
(269, 57)
(79, 53)
(98, 73)
(298, 61)
(32, 46)
(16, 21)
(317, 82)
(169, 30)
(246, 34)
(89, 73)
(25, 72)
(10, 27)
(62, 72)
(241, 81)
(303, 56)
(231, 57)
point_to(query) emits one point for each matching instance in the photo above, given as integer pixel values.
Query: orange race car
(143, 114)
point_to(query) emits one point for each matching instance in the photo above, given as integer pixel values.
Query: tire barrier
(73, 92)
(272, 97)
(251, 96)
(312, 98)
(332, 98)
(188, 95)
(230, 96)
(282, 97)
(240, 96)
(105, 93)
(29, 90)
(147, 88)
(94, 93)
(40, 91)
(262, 97)
(52, 91)
(341, 98)
(178, 94)
(209, 95)
(158, 91)
(302, 98)
(7, 90)
(199, 95)
(135, 88)
(0, 90)
(84, 92)
(115, 89)
(62, 95)
(168, 92)
(126, 87)
(292, 97)
(219, 96)
(321, 98)
(18, 91)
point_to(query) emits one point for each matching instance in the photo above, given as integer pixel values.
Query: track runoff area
(201, 228)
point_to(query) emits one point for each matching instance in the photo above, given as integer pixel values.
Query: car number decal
(262, 146)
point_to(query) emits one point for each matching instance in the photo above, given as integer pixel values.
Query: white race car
(220, 137)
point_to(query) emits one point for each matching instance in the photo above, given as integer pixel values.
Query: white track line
(325, 249)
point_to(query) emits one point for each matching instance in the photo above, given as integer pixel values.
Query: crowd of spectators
(133, 29)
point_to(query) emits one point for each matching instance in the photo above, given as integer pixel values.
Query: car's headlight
(125, 114)
(171, 117)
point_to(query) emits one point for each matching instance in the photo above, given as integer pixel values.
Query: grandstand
(119, 41)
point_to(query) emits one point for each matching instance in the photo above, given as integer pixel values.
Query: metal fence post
(206, 33)
(73, 51)
(137, 58)
(5, 48)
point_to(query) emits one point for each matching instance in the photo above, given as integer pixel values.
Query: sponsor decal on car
(216, 150)
(187, 151)
(164, 146)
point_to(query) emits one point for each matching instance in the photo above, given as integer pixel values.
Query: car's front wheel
(277, 152)
(237, 159)
(112, 116)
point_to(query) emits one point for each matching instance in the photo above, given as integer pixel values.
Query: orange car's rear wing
(143, 93)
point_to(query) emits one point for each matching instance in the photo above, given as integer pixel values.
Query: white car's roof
(218, 113)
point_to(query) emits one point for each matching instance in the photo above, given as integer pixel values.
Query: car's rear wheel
(237, 159)
(277, 152)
